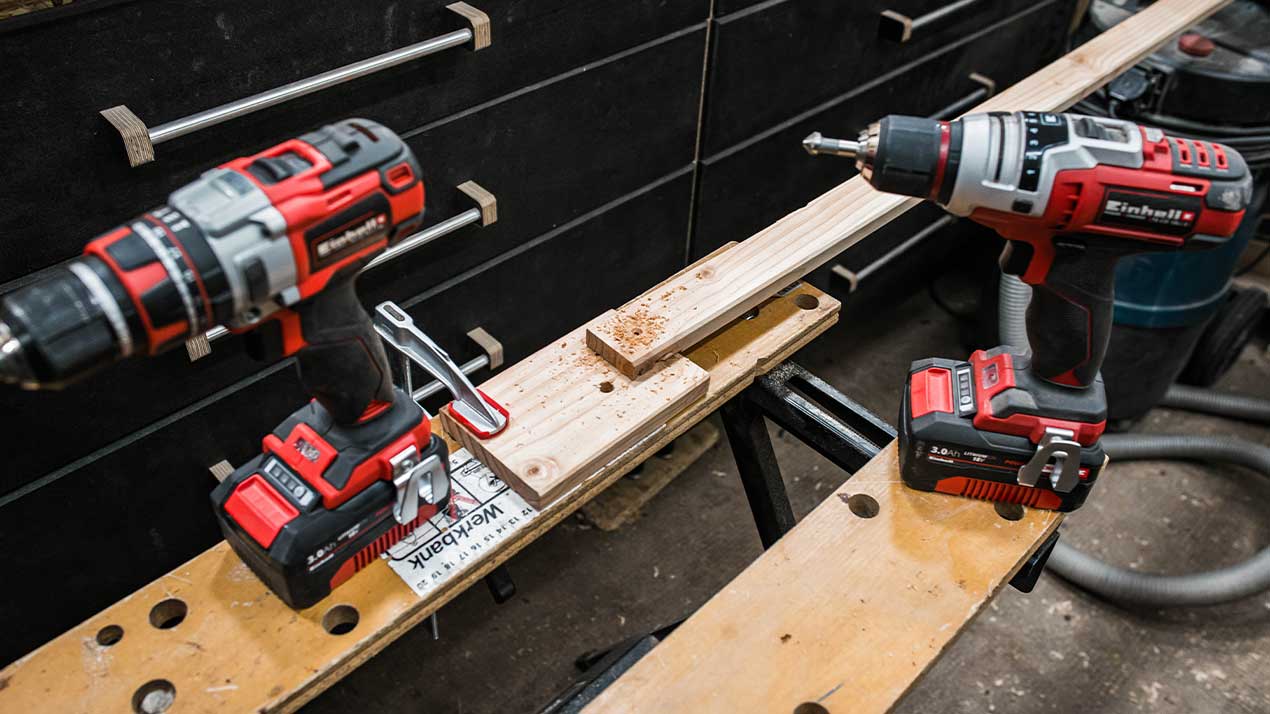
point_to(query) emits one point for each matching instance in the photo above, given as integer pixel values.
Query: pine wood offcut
(564, 394)
(701, 299)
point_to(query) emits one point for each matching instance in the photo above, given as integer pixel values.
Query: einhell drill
(1071, 194)
(268, 244)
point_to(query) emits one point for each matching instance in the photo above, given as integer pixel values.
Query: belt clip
(1060, 446)
(416, 480)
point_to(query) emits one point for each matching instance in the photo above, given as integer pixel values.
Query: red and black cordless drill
(268, 244)
(1072, 195)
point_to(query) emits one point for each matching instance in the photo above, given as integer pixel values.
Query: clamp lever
(399, 331)
(1060, 446)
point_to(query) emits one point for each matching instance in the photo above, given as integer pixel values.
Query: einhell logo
(1155, 212)
(1169, 216)
(307, 450)
(349, 237)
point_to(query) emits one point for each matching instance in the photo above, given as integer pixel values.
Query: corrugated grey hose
(1143, 589)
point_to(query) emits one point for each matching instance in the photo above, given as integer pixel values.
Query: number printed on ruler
(483, 512)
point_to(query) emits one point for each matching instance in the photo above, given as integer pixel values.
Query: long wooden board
(572, 411)
(240, 649)
(843, 612)
(701, 299)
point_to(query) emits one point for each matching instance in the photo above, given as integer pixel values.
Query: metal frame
(820, 416)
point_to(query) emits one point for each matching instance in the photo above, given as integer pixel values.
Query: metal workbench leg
(760, 474)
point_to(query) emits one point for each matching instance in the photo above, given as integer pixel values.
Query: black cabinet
(621, 138)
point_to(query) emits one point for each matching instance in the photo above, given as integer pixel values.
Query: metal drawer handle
(484, 212)
(898, 27)
(139, 140)
(987, 88)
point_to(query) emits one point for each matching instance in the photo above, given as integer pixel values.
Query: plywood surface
(240, 649)
(700, 299)
(844, 611)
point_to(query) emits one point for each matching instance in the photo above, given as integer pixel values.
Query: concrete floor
(1056, 649)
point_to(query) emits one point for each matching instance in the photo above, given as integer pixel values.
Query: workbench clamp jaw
(471, 407)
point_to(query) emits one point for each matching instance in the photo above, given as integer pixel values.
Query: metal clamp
(898, 27)
(1059, 446)
(399, 332)
(140, 140)
(417, 481)
(485, 213)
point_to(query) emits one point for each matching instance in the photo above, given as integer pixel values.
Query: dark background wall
(621, 137)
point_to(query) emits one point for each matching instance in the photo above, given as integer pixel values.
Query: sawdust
(638, 328)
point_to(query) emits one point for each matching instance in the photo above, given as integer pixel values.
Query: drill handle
(340, 358)
(342, 363)
(1069, 318)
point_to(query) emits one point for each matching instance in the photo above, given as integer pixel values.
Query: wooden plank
(699, 300)
(564, 394)
(845, 612)
(572, 412)
(240, 649)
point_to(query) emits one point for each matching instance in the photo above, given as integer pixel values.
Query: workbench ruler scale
(483, 513)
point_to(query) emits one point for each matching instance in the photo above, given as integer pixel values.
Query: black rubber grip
(1069, 319)
(907, 155)
(344, 366)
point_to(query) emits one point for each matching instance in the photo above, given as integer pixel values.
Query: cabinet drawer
(145, 509)
(66, 173)
(743, 191)
(774, 63)
(550, 156)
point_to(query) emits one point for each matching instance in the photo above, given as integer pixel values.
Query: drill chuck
(71, 321)
(899, 154)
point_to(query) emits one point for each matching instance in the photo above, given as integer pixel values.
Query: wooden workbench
(845, 611)
(238, 648)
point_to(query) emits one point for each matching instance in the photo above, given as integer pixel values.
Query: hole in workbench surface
(807, 302)
(154, 697)
(810, 708)
(109, 635)
(1009, 511)
(606, 387)
(863, 505)
(168, 613)
(341, 619)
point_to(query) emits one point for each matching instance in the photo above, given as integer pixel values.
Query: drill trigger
(1016, 256)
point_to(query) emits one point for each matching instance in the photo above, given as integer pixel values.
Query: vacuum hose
(1146, 590)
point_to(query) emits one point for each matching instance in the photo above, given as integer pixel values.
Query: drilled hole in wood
(807, 302)
(341, 619)
(1009, 511)
(168, 613)
(109, 635)
(606, 387)
(154, 697)
(863, 505)
(637, 332)
(810, 708)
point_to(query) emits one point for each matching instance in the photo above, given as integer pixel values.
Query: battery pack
(970, 428)
(318, 504)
